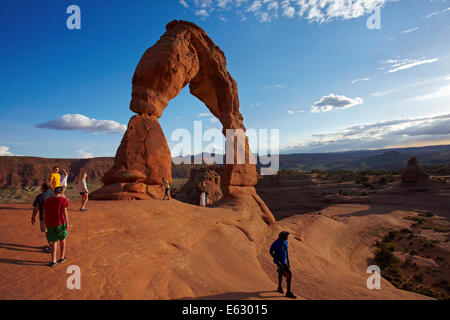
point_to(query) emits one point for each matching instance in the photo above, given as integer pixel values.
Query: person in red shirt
(57, 222)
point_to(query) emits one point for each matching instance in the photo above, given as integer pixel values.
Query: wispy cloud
(396, 65)
(4, 151)
(183, 3)
(204, 114)
(266, 10)
(294, 112)
(437, 13)
(410, 30)
(401, 132)
(258, 104)
(274, 86)
(436, 94)
(79, 122)
(412, 85)
(83, 153)
(332, 101)
(359, 80)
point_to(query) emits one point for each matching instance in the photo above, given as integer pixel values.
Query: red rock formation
(413, 172)
(183, 55)
(202, 179)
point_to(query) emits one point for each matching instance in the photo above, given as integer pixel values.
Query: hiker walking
(55, 178)
(166, 185)
(38, 206)
(84, 192)
(279, 253)
(57, 222)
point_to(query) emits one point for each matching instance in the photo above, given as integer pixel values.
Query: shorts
(42, 225)
(82, 193)
(167, 191)
(57, 233)
(284, 271)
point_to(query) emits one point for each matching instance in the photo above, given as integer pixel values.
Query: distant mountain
(30, 171)
(385, 159)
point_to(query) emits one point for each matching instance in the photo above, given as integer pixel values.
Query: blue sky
(312, 69)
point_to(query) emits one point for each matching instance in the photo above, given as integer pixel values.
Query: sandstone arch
(184, 55)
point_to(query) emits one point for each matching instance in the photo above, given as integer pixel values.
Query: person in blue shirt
(279, 253)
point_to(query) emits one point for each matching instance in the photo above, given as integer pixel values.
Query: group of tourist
(52, 205)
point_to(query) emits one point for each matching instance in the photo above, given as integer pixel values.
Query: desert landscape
(364, 196)
(177, 250)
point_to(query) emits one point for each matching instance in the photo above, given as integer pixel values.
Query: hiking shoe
(46, 249)
(280, 290)
(290, 295)
(52, 264)
(62, 260)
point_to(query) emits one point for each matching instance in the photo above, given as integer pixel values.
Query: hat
(283, 233)
(58, 190)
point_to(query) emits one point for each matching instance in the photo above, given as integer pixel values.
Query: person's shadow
(20, 247)
(24, 262)
(24, 248)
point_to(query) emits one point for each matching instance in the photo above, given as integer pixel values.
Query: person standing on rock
(57, 222)
(38, 206)
(206, 198)
(55, 178)
(84, 192)
(166, 185)
(202, 198)
(279, 252)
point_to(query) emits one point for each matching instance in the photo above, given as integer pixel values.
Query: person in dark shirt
(279, 253)
(38, 206)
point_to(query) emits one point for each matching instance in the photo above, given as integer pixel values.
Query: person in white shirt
(202, 198)
(84, 192)
(64, 176)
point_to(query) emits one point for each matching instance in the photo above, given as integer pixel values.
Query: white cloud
(79, 122)
(291, 112)
(396, 65)
(83, 153)
(359, 80)
(437, 13)
(256, 5)
(258, 104)
(183, 3)
(410, 30)
(289, 12)
(311, 10)
(332, 101)
(204, 114)
(401, 132)
(409, 86)
(439, 93)
(274, 86)
(4, 151)
(202, 13)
